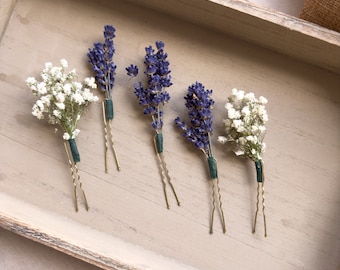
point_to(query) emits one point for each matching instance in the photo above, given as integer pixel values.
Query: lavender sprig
(200, 105)
(154, 96)
(100, 57)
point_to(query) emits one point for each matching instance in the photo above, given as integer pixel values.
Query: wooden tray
(128, 226)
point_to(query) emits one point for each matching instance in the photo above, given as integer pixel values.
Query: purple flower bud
(154, 94)
(100, 57)
(109, 32)
(199, 104)
(132, 70)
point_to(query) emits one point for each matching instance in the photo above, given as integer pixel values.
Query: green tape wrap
(159, 142)
(74, 150)
(109, 109)
(212, 167)
(259, 171)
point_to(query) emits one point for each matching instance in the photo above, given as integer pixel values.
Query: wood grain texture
(268, 28)
(128, 223)
(6, 8)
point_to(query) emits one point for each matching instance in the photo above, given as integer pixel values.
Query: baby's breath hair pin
(200, 105)
(100, 57)
(245, 130)
(152, 98)
(63, 100)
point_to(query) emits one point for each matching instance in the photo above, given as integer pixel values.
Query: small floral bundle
(100, 57)
(63, 100)
(153, 97)
(245, 131)
(200, 105)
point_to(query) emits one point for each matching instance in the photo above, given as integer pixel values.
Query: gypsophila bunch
(153, 96)
(245, 124)
(245, 130)
(101, 59)
(63, 100)
(200, 104)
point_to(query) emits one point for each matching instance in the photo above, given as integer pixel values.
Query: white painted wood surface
(127, 207)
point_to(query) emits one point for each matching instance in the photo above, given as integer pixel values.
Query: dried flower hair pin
(63, 100)
(100, 57)
(200, 105)
(153, 97)
(245, 129)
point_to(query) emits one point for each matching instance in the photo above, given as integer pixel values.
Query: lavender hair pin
(100, 57)
(153, 97)
(200, 104)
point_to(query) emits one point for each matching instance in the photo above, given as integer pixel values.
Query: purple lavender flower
(100, 57)
(154, 96)
(199, 104)
(132, 70)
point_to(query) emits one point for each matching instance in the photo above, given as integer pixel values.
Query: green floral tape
(259, 171)
(212, 167)
(159, 142)
(74, 150)
(109, 109)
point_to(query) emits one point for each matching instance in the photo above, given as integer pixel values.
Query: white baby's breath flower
(249, 97)
(61, 97)
(222, 139)
(66, 136)
(90, 82)
(57, 113)
(239, 95)
(250, 138)
(40, 104)
(60, 105)
(245, 111)
(239, 152)
(64, 63)
(232, 113)
(228, 105)
(75, 133)
(78, 98)
(31, 81)
(48, 65)
(78, 86)
(245, 124)
(263, 100)
(67, 88)
(262, 129)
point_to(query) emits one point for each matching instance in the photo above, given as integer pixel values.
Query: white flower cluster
(61, 98)
(245, 124)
